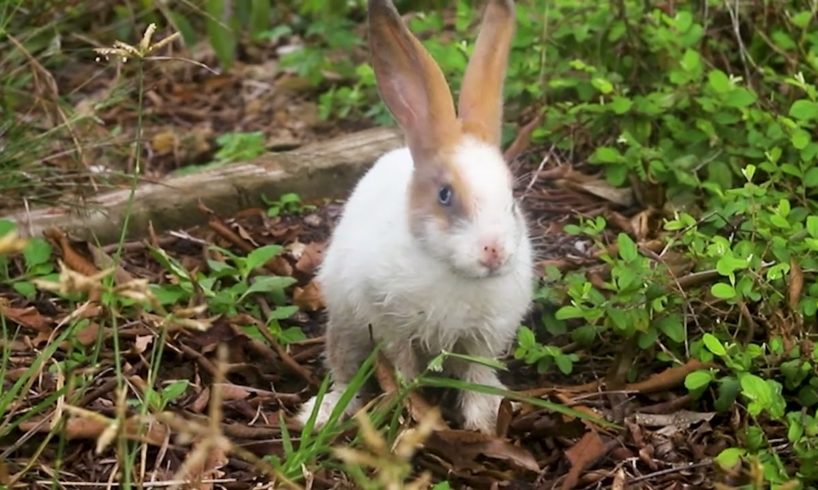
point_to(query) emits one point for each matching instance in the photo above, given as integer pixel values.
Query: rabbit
(432, 251)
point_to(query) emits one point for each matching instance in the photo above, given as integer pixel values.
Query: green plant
(233, 147)
(289, 203)
(37, 262)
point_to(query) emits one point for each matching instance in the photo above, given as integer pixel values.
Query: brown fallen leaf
(164, 142)
(87, 425)
(309, 297)
(207, 468)
(598, 187)
(11, 243)
(581, 456)
(463, 447)
(310, 257)
(280, 266)
(104, 261)
(505, 413)
(796, 284)
(230, 391)
(88, 335)
(73, 259)
(26, 317)
(141, 343)
(200, 403)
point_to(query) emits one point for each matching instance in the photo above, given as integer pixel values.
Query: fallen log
(323, 169)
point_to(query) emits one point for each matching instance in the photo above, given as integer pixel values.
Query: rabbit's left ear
(481, 96)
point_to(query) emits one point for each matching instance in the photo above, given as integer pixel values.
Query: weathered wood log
(323, 169)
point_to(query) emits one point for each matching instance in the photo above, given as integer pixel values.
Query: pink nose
(492, 254)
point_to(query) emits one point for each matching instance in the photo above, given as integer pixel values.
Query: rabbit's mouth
(477, 271)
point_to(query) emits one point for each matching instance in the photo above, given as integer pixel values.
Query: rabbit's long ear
(410, 82)
(481, 95)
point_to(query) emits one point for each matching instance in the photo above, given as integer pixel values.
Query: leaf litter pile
(246, 283)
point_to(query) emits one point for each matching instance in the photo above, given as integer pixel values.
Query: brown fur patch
(429, 177)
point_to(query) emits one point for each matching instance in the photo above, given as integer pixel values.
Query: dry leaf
(308, 298)
(582, 455)
(796, 284)
(11, 243)
(229, 391)
(200, 403)
(26, 317)
(163, 143)
(598, 187)
(280, 266)
(465, 446)
(73, 259)
(104, 261)
(88, 335)
(141, 343)
(310, 257)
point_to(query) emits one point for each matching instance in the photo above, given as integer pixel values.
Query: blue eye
(444, 195)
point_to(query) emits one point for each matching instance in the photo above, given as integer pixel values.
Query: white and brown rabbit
(432, 250)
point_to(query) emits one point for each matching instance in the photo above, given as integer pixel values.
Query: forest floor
(136, 339)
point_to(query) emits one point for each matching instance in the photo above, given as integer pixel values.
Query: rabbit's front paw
(480, 412)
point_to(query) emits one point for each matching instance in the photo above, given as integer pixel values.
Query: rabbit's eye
(444, 195)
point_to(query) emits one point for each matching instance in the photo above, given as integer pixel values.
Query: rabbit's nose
(492, 254)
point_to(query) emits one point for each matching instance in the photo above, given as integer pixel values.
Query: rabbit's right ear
(410, 82)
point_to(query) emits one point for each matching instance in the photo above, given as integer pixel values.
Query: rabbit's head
(461, 207)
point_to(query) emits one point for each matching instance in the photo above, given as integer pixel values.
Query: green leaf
(804, 110)
(730, 457)
(221, 35)
(268, 284)
(25, 288)
(584, 335)
(602, 85)
(6, 226)
(260, 12)
(292, 334)
(526, 338)
(627, 247)
(800, 139)
(564, 364)
(37, 251)
(719, 82)
(728, 264)
(740, 97)
(811, 177)
(756, 389)
(185, 28)
(691, 61)
(812, 226)
(569, 312)
(698, 380)
(606, 154)
(723, 291)
(283, 312)
(174, 390)
(714, 345)
(673, 327)
(261, 256)
(621, 105)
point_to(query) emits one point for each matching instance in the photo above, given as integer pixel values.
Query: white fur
(426, 291)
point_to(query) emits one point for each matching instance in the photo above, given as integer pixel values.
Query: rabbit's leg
(479, 410)
(404, 358)
(347, 347)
